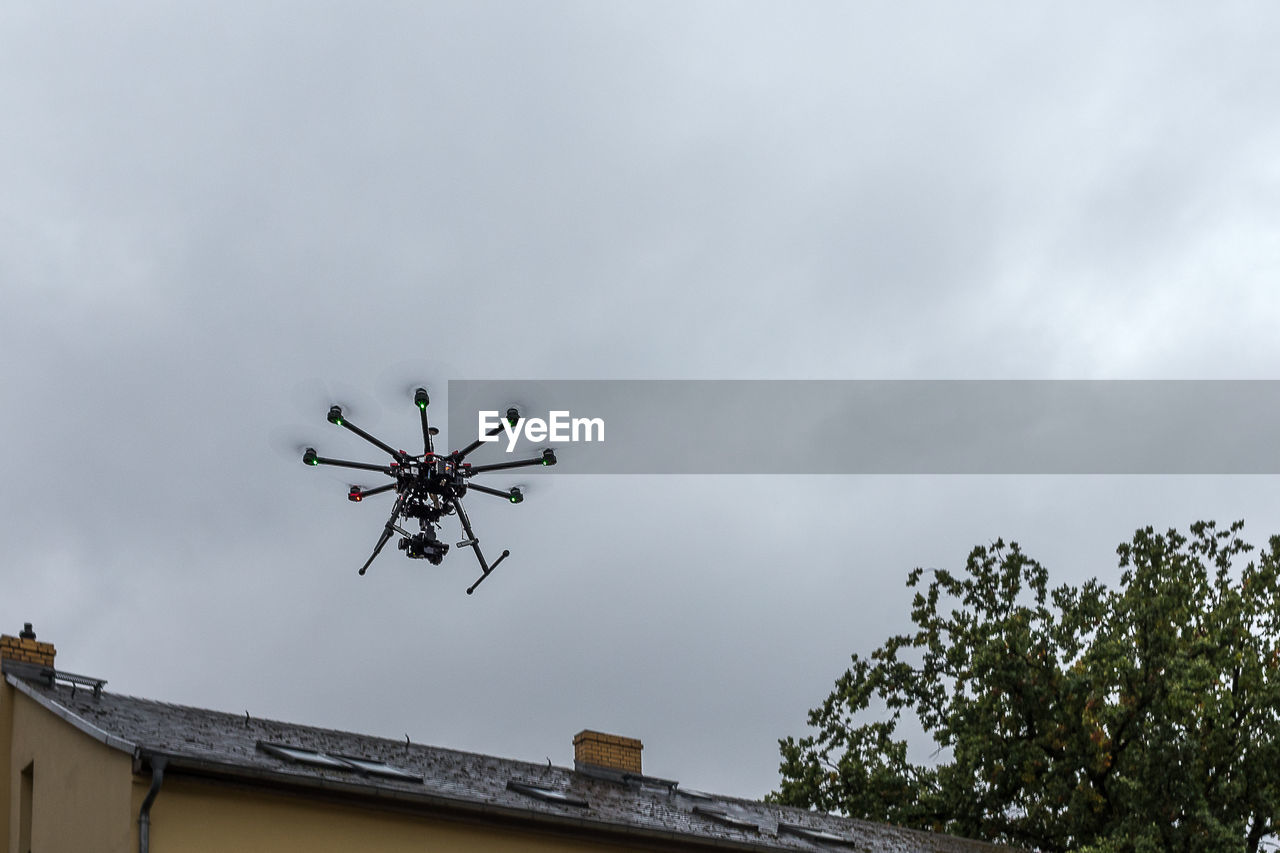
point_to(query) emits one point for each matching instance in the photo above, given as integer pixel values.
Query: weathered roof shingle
(222, 744)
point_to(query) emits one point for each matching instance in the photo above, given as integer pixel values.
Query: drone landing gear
(474, 544)
(487, 569)
(387, 529)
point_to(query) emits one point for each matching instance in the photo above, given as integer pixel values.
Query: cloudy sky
(214, 217)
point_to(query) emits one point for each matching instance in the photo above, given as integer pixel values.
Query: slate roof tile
(229, 743)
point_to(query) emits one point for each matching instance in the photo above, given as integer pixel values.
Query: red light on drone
(355, 494)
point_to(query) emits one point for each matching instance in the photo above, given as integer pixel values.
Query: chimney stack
(25, 649)
(608, 752)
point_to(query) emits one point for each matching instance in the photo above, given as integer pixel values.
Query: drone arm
(470, 448)
(364, 493)
(548, 457)
(426, 430)
(335, 417)
(497, 493)
(311, 458)
(395, 454)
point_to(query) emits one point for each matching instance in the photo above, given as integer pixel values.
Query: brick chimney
(609, 752)
(24, 648)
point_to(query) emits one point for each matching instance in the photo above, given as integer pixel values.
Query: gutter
(144, 814)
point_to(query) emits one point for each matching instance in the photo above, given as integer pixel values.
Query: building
(89, 770)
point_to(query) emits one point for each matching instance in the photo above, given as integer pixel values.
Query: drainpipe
(144, 814)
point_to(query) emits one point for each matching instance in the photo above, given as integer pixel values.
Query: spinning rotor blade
(313, 397)
(290, 444)
(397, 383)
(535, 487)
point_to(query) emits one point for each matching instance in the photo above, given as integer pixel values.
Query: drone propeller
(398, 383)
(314, 397)
(290, 444)
(537, 487)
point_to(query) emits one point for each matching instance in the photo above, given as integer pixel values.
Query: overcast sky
(211, 214)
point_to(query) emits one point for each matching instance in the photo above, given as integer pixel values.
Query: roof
(218, 744)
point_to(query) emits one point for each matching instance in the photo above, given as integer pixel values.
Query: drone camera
(549, 456)
(421, 398)
(355, 494)
(309, 456)
(335, 415)
(516, 496)
(424, 547)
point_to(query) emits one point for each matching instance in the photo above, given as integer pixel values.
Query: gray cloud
(204, 207)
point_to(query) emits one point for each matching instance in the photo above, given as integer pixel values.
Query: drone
(428, 487)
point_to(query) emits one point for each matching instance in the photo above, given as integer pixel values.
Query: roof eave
(61, 711)
(434, 804)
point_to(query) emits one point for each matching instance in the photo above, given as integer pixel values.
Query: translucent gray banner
(880, 426)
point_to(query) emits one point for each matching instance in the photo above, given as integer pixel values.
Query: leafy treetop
(1141, 718)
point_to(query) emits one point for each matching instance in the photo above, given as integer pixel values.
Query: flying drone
(428, 487)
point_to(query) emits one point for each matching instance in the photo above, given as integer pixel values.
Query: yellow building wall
(82, 789)
(6, 737)
(86, 798)
(192, 816)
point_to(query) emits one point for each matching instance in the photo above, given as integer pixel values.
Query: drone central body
(428, 487)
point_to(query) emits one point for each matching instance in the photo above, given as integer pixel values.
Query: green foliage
(1141, 718)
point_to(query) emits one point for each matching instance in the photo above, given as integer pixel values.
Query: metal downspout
(144, 814)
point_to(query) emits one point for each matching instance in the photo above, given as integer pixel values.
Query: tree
(1140, 718)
